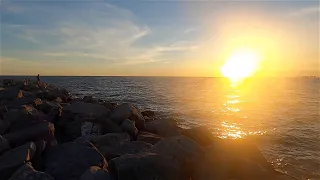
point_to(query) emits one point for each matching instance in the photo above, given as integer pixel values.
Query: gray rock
(148, 137)
(4, 145)
(15, 158)
(129, 127)
(185, 150)
(19, 119)
(108, 126)
(113, 145)
(96, 173)
(41, 131)
(202, 135)
(164, 128)
(128, 111)
(4, 127)
(148, 113)
(236, 159)
(90, 128)
(79, 107)
(71, 160)
(87, 99)
(27, 172)
(147, 166)
(10, 94)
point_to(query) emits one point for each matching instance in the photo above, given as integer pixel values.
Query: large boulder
(145, 166)
(27, 172)
(128, 111)
(164, 128)
(202, 135)
(96, 173)
(90, 128)
(108, 126)
(129, 127)
(15, 158)
(4, 127)
(4, 145)
(185, 150)
(148, 137)
(71, 160)
(237, 159)
(79, 107)
(148, 113)
(11, 94)
(41, 131)
(50, 108)
(113, 145)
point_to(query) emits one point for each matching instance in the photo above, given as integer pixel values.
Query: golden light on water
(241, 64)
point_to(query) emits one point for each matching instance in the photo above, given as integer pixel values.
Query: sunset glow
(241, 64)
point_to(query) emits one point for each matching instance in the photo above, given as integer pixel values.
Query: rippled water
(282, 115)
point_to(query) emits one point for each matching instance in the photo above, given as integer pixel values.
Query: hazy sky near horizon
(166, 38)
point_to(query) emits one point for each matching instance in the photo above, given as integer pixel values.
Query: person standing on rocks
(38, 79)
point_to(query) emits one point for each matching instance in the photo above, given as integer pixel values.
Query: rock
(128, 111)
(129, 127)
(27, 172)
(236, 159)
(109, 105)
(79, 107)
(108, 126)
(202, 135)
(37, 157)
(71, 160)
(90, 128)
(4, 127)
(59, 100)
(41, 131)
(147, 166)
(148, 113)
(4, 145)
(148, 137)
(11, 94)
(51, 108)
(87, 99)
(19, 119)
(164, 128)
(15, 158)
(185, 150)
(113, 145)
(96, 173)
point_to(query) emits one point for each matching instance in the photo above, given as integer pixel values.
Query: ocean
(282, 115)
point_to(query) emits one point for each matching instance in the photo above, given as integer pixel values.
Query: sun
(241, 64)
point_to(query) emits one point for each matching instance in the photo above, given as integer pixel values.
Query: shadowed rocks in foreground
(47, 133)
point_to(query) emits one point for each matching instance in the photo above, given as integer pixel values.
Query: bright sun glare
(241, 64)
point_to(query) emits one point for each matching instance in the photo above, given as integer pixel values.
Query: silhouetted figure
(38, 79)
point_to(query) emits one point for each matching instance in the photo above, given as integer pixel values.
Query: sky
(156, 38)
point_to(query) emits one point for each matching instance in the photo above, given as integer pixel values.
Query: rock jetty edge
(46, 133)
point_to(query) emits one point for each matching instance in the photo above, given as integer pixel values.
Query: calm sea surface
(281, 114)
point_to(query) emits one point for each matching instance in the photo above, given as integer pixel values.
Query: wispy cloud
(306, 11)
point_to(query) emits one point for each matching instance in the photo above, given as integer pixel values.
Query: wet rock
(148, 113)
(79, 107)
(87, 99)
(164, 128)
(15, 158)
(10, 94)
(41, 131)
(27, 172)
(128, 111)
(236, 159)
(96, 173)
(71, 160)
(4, 145)
(148, 137)
(129, 127)
(90, 128)
(145, 166)
(113, 145)
(4, 127)
(202, 135)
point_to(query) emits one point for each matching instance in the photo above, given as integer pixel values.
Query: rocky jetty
(47, 133)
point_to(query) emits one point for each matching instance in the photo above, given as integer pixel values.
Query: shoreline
(47, 132)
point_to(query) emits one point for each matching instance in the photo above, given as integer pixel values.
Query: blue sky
(149, 37)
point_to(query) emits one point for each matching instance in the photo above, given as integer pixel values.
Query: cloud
(306, 11)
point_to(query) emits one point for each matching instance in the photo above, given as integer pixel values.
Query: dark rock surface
(148, 137)
(96, 173)
(164, 128)
(11, 160)
(71, 160)
(27, 172)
